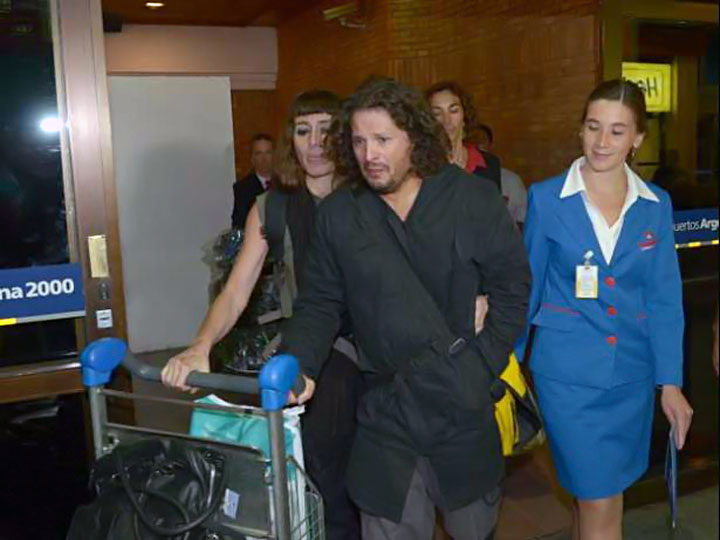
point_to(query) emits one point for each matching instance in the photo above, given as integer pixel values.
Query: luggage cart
(268, 501)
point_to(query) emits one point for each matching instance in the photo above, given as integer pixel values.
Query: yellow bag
(517, 414)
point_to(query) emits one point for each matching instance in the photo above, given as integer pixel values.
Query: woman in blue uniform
(606, 302)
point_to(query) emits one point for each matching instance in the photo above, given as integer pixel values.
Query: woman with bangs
(307, 175)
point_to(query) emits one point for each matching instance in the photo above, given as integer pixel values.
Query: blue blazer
(634, 329)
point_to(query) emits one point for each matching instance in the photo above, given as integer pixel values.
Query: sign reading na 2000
(38, 293)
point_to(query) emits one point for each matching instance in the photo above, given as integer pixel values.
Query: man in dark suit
(257, 181)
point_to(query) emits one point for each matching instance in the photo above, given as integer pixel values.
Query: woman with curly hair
(453, 108)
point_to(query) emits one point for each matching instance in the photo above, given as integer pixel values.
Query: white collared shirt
(607, 236)
(264, 181)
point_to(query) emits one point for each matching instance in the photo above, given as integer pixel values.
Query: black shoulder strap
(275, 223)
(493, 171)
(395, 245)
(387, 235)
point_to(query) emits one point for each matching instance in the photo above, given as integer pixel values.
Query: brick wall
(252, 112)
(313, 53)
(529, 65)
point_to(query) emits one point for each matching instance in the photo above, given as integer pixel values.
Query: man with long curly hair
(403, 249)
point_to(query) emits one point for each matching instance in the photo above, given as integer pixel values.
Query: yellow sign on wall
(655, 81)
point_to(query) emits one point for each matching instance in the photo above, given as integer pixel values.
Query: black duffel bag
(151, 490)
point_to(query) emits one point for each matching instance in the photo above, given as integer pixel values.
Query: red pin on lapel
(648, 241)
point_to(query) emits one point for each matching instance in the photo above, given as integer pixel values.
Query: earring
(633, 152)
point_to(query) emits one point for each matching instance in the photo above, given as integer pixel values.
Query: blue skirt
(599, 438)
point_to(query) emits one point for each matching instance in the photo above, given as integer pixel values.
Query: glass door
(680, 154)
(34, 191)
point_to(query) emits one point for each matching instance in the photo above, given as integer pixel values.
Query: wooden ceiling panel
(208, 12)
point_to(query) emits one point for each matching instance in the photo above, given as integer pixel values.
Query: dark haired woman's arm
(225, 310)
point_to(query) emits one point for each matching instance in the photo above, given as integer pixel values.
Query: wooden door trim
(79, 51)
(41, 380)
(82, 54)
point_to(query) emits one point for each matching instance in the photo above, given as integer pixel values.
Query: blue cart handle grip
(278, 376)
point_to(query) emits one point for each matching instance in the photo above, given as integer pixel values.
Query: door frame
(79, 51)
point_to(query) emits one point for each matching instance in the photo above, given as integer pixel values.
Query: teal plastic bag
(248, 429)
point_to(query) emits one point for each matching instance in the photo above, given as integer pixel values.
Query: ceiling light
(154, 5)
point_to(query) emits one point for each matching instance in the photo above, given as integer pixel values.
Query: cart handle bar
(278, 376)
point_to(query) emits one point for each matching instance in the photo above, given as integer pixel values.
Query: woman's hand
(481, 309)
(176, 371)
(225, 310)
(678, 412)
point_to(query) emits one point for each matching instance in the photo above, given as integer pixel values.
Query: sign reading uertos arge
(699, 225)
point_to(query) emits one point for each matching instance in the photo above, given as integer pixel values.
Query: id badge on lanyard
(586, 278)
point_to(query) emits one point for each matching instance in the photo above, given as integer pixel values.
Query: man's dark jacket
(245, 191)
(423, 400)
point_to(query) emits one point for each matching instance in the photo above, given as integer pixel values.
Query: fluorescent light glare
(50, 124)
(154, 5)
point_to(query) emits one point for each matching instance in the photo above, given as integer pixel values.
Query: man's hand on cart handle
(305, 395)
